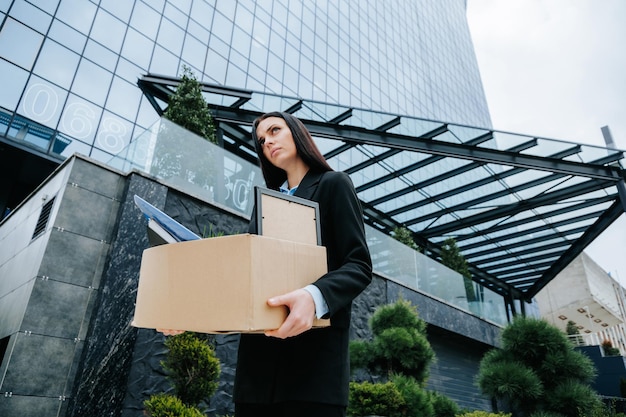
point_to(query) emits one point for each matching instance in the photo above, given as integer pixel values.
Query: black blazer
(314, 366)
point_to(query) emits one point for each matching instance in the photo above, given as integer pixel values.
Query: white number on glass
(78, 120)
(111, 135)
(40, 102)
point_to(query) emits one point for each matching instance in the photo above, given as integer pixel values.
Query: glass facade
(71, 66)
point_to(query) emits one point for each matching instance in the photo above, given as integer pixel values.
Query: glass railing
(191, 164)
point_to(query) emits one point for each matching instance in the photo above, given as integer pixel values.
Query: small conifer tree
(452, 258)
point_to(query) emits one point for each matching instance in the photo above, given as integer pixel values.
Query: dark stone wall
(101, 381)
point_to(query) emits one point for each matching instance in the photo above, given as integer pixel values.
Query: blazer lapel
(309, 184)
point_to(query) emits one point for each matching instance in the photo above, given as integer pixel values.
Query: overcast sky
(557, 69)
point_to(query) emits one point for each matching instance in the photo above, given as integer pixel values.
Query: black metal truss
(514, 244)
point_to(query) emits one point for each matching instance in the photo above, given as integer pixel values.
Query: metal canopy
(520, 208)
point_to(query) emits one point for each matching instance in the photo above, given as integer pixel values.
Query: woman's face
(277, 143)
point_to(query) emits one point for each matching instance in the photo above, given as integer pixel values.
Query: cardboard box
(222, 284)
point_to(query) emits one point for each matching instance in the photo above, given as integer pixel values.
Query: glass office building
(69, 67)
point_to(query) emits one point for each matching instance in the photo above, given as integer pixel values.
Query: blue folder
(176, 230)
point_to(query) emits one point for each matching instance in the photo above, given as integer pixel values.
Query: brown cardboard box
(222, 284)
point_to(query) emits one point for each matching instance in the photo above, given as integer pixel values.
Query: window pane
(92, 82)
(194, 52)
(129, 71)
(101, 55)
(171, 36)
(137, 48)
(108, 30)
(67, 36)
(48, 6)
(79, 119)
(22, 53)
(31, 16)
(14, 79)
(120, 9)
(42, 102)
(124, 98)
(145, 20)
(175, 15)
(56, 64)
(163, 62)
(77, 13)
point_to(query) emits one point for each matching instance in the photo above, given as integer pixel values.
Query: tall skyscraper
(69, 67)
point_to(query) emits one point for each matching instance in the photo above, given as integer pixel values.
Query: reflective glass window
(147, 116)
(227, 8)
(78, 14)
(124, 98)
(202, 13)
(129, 71)
(13, 81)
(21, 53)
(137, 48)
(164, 62)
(108, 30)
(222, 27)
(171, 36)
(244, 18)
(120, 9)
(42, 102)
(56, 64)
(235, 76)
(101, 55)
(80, 119)
(194, 52)
(183, 5)
(48, 6)
(175, 15)
(30, 15)
(198, 31)
(67, 36)
(216, 66)
(4, 5)
(241, 41)
(145, 20)
(114, 133)
(92, 82)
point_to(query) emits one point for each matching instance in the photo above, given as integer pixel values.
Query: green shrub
(399, 314)
(416, 399)
(442, 405)
(480, 413)
(375, 399)
(164, 405)
(192, 367)
(404, 350)
(580, 398)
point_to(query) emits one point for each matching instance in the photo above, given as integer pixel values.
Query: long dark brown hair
(305, 147)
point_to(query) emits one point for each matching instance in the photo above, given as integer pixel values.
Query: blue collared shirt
(321, 307)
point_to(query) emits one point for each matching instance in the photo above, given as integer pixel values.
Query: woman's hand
(301, 313)
(170, 332)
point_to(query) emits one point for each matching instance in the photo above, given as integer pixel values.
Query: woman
(295, 370)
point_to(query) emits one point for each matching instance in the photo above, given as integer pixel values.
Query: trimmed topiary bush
(164, 405)
(192, 367)
(381, 399)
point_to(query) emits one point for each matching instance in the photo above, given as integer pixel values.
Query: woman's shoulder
(335, 177)
(336, 181)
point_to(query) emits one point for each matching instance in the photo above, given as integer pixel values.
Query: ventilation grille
(42, 222)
